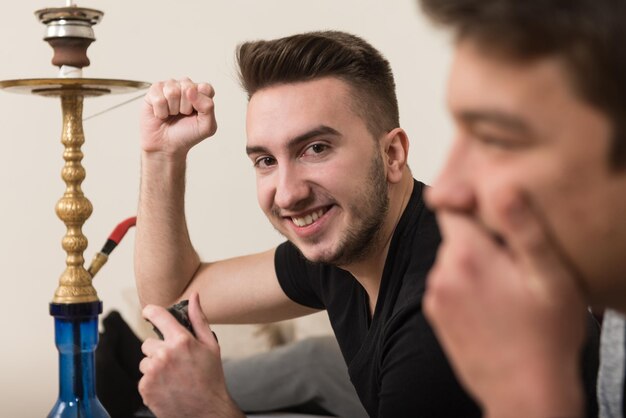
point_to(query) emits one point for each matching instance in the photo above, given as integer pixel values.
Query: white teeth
(308, 219)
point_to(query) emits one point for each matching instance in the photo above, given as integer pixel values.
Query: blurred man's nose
(452, 190)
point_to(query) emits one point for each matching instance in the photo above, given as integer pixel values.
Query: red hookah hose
(118, 233)
(114, 239)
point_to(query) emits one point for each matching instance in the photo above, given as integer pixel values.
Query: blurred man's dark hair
(589, 36)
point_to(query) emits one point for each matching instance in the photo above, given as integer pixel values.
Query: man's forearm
(165, 260)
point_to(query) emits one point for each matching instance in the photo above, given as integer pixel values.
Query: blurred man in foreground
(532, 201)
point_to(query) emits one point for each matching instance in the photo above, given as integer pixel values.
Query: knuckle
(206, 89)
(161, 357)
(209, 107)
(182, 341)
(430, 303)
(215, 349)
(172, 92)
(460, 259)
(171, 87)
(159, 100)
(143, 369)
(144, 366)
(144, 387)
(439, 294)
(445, 284)
(436, 284)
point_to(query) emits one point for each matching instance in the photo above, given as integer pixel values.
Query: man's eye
(264, 162)
(316, 149)
(500, 142)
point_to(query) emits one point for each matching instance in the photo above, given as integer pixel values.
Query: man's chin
(316, 255)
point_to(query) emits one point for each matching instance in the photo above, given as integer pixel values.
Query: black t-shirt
(394, 360)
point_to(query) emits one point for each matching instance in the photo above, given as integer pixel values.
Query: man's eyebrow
(502, 119)
(295, 142)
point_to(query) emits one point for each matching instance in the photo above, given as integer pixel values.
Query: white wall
(151, 40)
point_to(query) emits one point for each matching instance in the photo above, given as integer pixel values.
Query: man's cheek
(263, 196)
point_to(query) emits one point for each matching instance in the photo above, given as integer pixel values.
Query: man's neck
(369, 270)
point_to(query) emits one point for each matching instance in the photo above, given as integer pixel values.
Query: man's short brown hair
(588, 35)
(314, 55)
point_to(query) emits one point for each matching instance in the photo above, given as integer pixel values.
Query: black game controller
(178, 311)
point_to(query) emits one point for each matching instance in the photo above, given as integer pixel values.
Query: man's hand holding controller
(180, 312)
(180, 366)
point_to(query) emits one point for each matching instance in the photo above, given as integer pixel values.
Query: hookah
(75, 305)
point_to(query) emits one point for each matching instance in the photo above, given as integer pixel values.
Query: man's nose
(453, 188)
(292, 189)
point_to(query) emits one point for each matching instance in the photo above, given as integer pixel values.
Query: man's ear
(395, 147)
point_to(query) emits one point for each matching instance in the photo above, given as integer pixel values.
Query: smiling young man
(532, 202)
(332, 177)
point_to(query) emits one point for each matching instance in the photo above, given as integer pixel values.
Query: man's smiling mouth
(308, 219)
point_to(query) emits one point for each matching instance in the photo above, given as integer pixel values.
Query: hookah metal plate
(64, 86)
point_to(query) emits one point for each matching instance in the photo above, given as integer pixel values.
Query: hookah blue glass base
(76, 338)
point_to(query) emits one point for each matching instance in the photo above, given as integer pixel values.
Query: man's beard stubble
(363, 239)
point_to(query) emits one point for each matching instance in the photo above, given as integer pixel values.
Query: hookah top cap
(69, 31)
(74, 13)
(73, 21)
